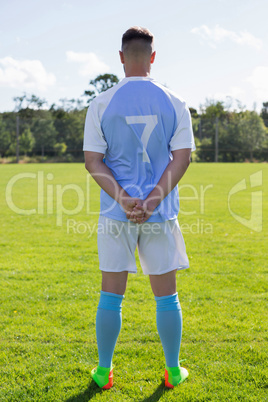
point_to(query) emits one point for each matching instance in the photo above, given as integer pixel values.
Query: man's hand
(142, 211)
(133, 208)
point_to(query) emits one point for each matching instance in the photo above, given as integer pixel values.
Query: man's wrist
(123, 197)
(152, 203)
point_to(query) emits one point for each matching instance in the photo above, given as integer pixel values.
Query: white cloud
(90, 63)
(236, 92)
(259, 81)
(218, 34)
(232, 94)
(24, 74)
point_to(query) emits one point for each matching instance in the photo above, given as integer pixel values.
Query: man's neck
(137, 70)
(137, 74)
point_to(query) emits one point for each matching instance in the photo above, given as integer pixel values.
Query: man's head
(137, 40)
(137, 46)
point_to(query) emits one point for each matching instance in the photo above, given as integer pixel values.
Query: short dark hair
(137, 33)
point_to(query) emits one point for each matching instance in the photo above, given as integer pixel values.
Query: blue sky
(205, 48)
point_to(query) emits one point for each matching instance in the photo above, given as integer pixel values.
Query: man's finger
(138, 208)
(138, 213)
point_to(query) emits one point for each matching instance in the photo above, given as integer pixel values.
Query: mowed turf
(50, 282)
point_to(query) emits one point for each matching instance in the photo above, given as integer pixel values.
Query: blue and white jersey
(135, 125)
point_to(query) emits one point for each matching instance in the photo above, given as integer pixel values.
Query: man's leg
(164, 285)
(169, 324)
(168, 315)
(109, 317)
(108, 324)
(114, 282)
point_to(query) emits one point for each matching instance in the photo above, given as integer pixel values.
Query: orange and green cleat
(175, 376)
(103, 376)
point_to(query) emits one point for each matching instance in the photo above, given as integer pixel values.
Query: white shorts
(160, 245)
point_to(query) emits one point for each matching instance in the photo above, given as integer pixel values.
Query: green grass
(49, 291)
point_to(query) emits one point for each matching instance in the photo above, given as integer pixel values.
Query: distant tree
(19, 102)
(195, 125)
(70, 104)
(28, 102)
(193, 112)
(100, 84)
(27, 141)
(215, 116)
(60, 148)
(264, 113)
(35, 103)
(5, 137)
(70, 128)
(253, 131)
(230, 139)
(44, 134)
(212, 109)
(205, 151)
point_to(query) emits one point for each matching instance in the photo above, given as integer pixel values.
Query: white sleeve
(183, 136)
(93, 136)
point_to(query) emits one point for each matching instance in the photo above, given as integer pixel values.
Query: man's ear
(121, 54)
(153, 57)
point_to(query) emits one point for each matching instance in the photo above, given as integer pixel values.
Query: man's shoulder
(108, 94)
(170, 93)
(101, 101)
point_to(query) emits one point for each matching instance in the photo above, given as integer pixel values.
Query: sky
(205, 49)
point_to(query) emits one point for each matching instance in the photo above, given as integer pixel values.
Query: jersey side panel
(93, 136)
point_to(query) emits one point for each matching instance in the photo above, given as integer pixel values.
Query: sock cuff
(112, 294)
(110, 301)
(167, 303)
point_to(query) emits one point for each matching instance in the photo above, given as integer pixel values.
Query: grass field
(50, 281)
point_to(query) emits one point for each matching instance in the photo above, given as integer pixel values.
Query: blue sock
(108, 325)
(169, 326)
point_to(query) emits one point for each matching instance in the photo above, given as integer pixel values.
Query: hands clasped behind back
(137, 210)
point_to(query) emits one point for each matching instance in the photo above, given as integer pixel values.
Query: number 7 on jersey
(150, 122)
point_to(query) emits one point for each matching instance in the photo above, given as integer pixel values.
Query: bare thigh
(164, 285)
(114, 282)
